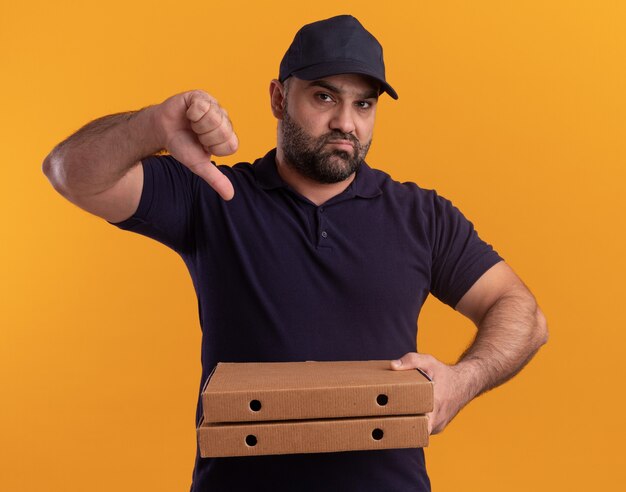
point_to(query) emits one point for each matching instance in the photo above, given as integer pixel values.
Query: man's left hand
(449, 385)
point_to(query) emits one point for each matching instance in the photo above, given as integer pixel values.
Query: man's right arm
(98, 168)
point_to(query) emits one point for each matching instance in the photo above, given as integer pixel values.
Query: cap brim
(328, 69)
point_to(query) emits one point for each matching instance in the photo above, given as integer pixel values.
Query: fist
(194, 127)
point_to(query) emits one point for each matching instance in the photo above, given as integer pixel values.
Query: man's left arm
(511, 329)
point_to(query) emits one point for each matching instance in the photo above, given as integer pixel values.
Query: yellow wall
(514, 110)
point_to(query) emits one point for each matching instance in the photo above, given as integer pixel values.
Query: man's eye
(364, 104)
(324, 97)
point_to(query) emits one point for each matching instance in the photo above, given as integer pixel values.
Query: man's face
(327, 125)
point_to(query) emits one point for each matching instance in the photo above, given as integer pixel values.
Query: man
(308, 253)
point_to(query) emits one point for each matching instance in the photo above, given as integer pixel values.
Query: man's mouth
(344, 144)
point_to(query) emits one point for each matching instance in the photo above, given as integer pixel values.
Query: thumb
(186, 149)
(215, 178)
(407, 361)
(413, 360)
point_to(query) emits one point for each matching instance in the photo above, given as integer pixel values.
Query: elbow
(542, 334)
(53, 168)
(46, 167)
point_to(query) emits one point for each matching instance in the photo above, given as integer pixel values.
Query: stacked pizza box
(312, 407)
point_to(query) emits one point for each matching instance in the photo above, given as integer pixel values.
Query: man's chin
(338, 169)
(339, 158)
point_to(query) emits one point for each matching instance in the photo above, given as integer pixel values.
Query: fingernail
(396, 363)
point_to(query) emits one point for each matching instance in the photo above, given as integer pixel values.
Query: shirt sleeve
(460, 256)
(166, 207)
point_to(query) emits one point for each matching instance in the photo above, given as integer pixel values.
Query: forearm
(99, 154)
(508, 336)
(511, 328)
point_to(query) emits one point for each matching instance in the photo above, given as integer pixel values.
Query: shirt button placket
(321, 226)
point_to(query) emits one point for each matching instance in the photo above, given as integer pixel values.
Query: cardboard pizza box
(312, 436)
(272, 391)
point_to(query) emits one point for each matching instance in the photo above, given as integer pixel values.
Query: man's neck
(314, 191)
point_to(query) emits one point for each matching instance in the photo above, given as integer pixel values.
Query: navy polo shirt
(279, 278)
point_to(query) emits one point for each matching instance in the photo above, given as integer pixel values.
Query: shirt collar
(365, 184)
(267, 176)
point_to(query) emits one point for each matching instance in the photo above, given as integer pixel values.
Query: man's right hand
(99, 167)
(194, 127)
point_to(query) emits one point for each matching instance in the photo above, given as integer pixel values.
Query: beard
(306, 153)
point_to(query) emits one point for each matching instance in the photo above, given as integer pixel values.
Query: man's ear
(277, 98)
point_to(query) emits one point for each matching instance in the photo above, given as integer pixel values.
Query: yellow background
(516, 111)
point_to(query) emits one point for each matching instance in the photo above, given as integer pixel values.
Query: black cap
(335, 46)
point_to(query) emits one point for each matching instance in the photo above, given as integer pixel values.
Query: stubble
(310, 157)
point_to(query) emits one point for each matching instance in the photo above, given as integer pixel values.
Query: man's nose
(343, 119)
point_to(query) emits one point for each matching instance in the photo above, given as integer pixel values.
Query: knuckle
(234, 142)
(203, 105)
(196, 111)
(201, 95)
(224, 149)
(219, 135)
(412, 357)
(214, 118)
(206, 139)
(231, 145)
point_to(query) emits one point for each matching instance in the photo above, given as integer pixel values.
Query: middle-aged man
(308, 253)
